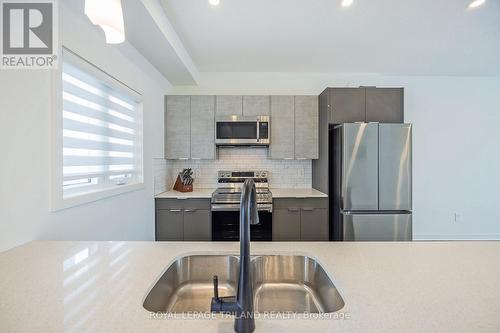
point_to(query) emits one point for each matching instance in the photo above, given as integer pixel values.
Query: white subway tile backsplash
(282, 173)
(160, 172)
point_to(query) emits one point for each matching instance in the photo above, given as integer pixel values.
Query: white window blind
(102, 131)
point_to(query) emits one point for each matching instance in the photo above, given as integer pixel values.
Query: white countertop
(198, 193)
(297, 193)
(387, 287)
(201, 193)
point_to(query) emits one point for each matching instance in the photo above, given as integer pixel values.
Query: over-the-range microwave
(242, 131)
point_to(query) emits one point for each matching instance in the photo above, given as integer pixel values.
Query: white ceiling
(148, 30)
(146, 35)
(415, 37)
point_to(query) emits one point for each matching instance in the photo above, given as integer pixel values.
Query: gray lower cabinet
(229, 105)
(197, 226)
(300, 219)
(203, 127)
(169, 224)
(282, 128)
(385, 105)
(314, 224)
(177, 127)
(183, 219)
(286, 224)
(256, 105)
(306, 127)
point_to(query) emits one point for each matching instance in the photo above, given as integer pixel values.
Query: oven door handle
(225, 207)
(236, 207)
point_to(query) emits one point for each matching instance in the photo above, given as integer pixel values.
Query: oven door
(226, 226)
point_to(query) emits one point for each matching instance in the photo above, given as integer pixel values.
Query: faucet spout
(243, 306)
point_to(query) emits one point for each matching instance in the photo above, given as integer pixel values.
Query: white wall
(456, 153)
(456, 156)
(25, 118)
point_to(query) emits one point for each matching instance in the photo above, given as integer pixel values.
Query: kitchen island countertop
(387, 287)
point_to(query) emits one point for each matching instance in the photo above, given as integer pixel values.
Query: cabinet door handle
(308, 209)
(176, 210)
(189, 210)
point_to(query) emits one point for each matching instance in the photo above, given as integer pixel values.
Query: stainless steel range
(227, 195)
(226, 206)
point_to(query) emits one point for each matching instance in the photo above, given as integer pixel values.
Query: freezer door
(360, 166)
(377, 227)
(395, 166)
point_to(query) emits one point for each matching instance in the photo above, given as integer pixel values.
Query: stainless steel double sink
(281, 283)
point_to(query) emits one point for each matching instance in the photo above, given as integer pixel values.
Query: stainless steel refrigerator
(370, 174)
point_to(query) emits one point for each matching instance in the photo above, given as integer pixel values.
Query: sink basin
(281, 283)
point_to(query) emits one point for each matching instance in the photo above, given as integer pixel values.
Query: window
(101, 132)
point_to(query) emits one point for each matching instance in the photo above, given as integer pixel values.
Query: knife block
(180, 187)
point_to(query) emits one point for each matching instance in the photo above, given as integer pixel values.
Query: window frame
(58, 201)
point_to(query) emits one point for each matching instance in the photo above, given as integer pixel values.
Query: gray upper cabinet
(190, 124)
(306, 127)
(346, 105)
(385, 105)
(256, 105)
(365, 104)
(229, 105)
(177, 127)
(282, 127)
(202, 127)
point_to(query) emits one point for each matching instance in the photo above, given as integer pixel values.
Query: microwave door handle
(258, 131)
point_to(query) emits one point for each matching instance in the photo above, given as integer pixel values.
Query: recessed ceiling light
(346, 3)
(214, 2)
(476, 3)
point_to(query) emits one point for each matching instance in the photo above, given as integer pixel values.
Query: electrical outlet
(457, 217)
(197, 173)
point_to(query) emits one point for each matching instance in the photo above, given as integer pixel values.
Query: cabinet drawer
(163, 203)
(286, 203)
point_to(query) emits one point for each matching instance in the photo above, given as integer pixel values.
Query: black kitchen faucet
(242, 304)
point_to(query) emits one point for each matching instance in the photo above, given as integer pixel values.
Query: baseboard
(456, 237)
